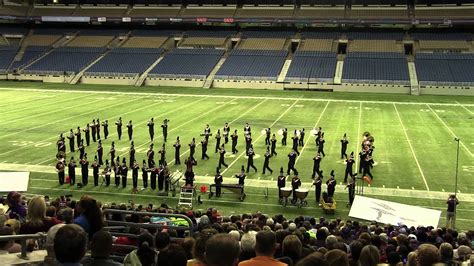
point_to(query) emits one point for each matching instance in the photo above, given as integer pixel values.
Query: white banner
(388, 212)
(14, 181)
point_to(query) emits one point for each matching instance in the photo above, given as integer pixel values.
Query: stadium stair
(79, 75)
(143, 76)
(210, 78)
(23, 46)
(415, 89)
(338, 73)
(284, 71)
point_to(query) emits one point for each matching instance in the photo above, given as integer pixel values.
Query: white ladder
(186, 197)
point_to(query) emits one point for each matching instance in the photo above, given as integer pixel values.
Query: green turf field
(415, 152)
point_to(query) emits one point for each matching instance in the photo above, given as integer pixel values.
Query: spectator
(355, 247)
(145, 254)
(172, 255)
(50, 258)
(222, 250)
(199, 248)
(393, 259)
(15, 210)
(187, 245)
(101, 248)
(446, 253)
(90, 218)
(264, 248)
(427, 255)
(336, 257)
(411, 259)
(70, 244)
(463, 253)
(315, 258)
(37, 221)
(66, 215)
(369, 256)
(247, 245)
(292, 247)
(6, 244)
(162, 240)
(51, 211)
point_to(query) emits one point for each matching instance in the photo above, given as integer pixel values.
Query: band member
(107, 172)
(164, 127)
(166, 176)
(349, 163)
(268, 133)
(218, 179)
(248, 143)
(71, 170)
(105, 124)
(301, 139)
(177, 146)
(251, 154)
(71, 140)
(130, 130)
(189, 174)
(95, 171)
(319, 133)
(362, 155)
(162, 153)
(151, 128)
(222, 157)
(100, 152)
(93, 130)
(78, 136)
(281, 181)
(135, 167)
(112, 153)
(189, 179)
(192, 148)
(226, 132)
(117, 171)
(295, 184)
(204, 149)
(291, 162)
(351, 187)
(234, 137)
(273, 142)
(207, 132)
(241, 176)
(318, 182)
(316, 164)
(247, 129)
(97, 125)
(119, 128)
(154, 170)
(84, 169)
(60, 169)
(131, 152)
(124, 173)
(368, 164)
(331, 183)
(321, 145)
(81, 149)
(88, 135)
(218, 140)
(266, 163)
(61, 145)
(161, 177)
(344, 143)
(284, 136)
(145, 171)
(150, 154)
(295, 142)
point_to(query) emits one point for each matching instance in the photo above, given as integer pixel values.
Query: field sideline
(415, 152)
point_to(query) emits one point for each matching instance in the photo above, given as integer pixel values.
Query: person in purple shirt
(16, 210)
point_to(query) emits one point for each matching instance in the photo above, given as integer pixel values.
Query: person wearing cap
(78, 136)
(321, 145)
(177, 146)
(93, 130)
(71, 169)
(117, 172)
(331, 183)
(226, 132)
(452, 202)
(150, 154)
(281, 180)
(98, 128)
(351, 189)
(266, 163)
(145, 171)
(112, 153)
(86, 131)
(105, 124)
(291, 161)
(241, 176)
(295, 184)
(162, 153)
(316, 164)
(71, 140)
(234, 138)
(81, 149)
(135, 168)
(95, 171)
(301, 139)
(273, 142)
(284, 136)
(107, 172)
(192, 148)
(344, 143)
(247, 129)
(250, 155)
(124, 173)
(119, 128)
(318, 182)
(50, 258)
(221, 157)
(204, 150)
(164, 127)
(268, 133)
(218, 140)
(131, 153)
(84, 169)
(100, 152)
(319, 132)
(248, 142)
(218, 179)
(60, 170)
(349, 163)
(295, 142)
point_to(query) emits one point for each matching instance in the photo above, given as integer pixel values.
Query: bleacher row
(258, 55)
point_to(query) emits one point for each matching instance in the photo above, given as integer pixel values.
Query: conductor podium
(234, 188)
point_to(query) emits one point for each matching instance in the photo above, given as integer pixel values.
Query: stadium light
(456, 180)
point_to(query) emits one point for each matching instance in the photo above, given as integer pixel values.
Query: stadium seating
(187, 63)
(209, 11)
(440, 69)
(252, 64)
(31, 53)
(369, 68)
(54, 62)
(11, 10)
(310, 66)
(7, 53)
(128, 61)
(374, 46)
(153, 12)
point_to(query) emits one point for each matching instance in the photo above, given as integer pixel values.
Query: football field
(415, 151)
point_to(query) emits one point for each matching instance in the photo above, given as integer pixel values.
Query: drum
(301, 193)
(285, 192)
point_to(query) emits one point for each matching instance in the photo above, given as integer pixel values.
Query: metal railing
(23, 242)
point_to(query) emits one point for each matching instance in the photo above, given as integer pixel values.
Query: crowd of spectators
(76, 236)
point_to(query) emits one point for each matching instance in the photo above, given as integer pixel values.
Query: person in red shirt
(264, 249)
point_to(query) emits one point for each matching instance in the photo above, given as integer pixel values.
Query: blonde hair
(36, 211)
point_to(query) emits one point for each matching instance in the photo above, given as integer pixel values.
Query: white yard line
(274, 122)
(411, 147)
(187, 122)
(227, 96)
(450, 130)
(230, 123)
(54, 122)
(310, 135)
(357, 140)
(471, 112)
